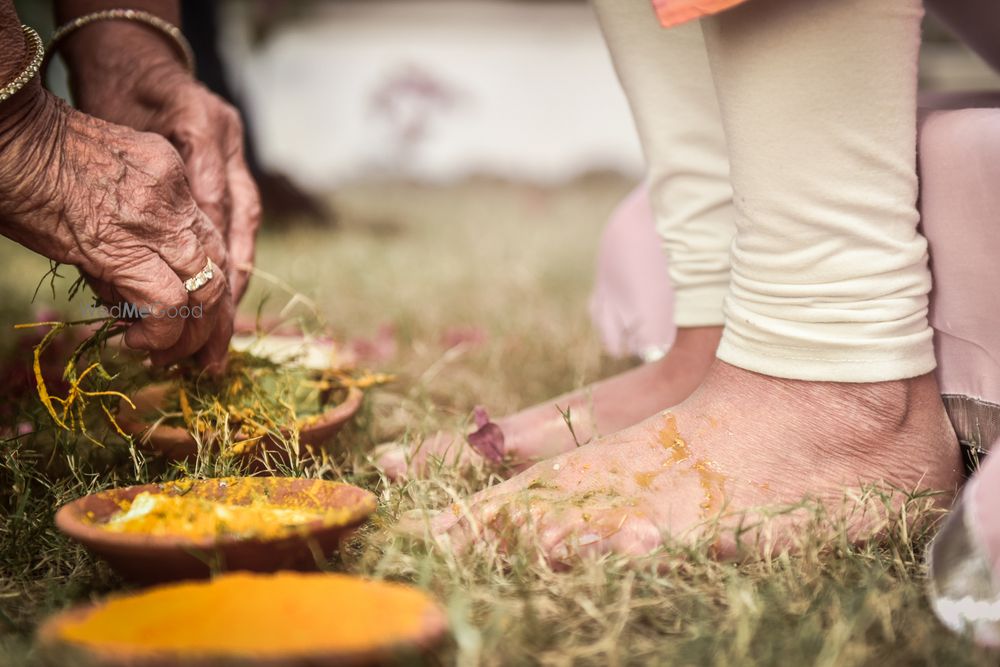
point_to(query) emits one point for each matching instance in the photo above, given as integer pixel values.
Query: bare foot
(742, 441)
(540, 432)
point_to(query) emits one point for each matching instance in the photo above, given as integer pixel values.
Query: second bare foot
(541, 431)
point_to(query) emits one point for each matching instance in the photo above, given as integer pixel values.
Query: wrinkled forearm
(30, 138)
(16, 114)
(114, 53)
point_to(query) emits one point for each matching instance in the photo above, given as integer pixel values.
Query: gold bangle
(37, 52)
(166, 28)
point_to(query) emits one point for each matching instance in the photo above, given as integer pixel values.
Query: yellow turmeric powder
(242, 615)
(157, 514)
(248, 507)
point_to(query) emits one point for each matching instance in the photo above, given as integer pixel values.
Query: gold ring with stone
(200, 279)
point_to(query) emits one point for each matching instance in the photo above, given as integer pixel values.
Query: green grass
(517, 262)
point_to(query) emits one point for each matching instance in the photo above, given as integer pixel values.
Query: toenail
(561, 552)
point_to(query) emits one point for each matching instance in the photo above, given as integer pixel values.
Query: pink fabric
(960, 193)
(960, 206)
(632, 303)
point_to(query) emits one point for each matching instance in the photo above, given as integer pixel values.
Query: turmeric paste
(250, 507)
(711, 480)
(242, 615)
(252, 398)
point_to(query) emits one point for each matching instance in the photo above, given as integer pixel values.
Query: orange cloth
(675, 12)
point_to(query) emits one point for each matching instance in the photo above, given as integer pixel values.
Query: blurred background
(438, 90)
(345, 91)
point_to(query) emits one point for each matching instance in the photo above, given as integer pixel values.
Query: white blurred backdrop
(432, 91)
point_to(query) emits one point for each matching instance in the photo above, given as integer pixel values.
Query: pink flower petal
(488, 440)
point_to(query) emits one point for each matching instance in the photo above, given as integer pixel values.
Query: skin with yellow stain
(712, 481)
(645, 479)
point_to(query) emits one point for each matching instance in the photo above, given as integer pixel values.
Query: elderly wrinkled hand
(144, 86)
(116, 204)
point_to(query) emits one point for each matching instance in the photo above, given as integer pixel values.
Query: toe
(504, 516)
(446, 449)
(390, 457)
(625, 531)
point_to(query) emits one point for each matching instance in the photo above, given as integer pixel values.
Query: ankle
(693, 351)
(852, 425)
(703, 340)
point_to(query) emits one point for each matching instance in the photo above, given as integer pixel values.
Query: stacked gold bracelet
(172, 32)
(37, 54)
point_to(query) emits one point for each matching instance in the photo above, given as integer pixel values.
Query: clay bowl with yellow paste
(176, 443)
(283, 345)
(286, 619)
(191, 528)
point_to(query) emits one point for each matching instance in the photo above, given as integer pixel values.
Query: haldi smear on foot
(251, 615)
(228, 507)
(712, 481)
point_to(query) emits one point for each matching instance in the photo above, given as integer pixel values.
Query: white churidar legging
(666, 76)
(806, 147)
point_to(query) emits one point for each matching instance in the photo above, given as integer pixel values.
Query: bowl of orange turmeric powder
(190, 528)
(287, 619)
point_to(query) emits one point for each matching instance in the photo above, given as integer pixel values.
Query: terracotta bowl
(146, 559)
(59, 650)
(176, 443)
